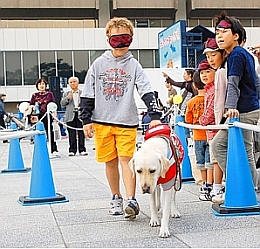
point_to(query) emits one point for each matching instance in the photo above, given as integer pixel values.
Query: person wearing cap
(195, 108)
(207, 76)
(3, 112)
(216, 58)
(242, 98)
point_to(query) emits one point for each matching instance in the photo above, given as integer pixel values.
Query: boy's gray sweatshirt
(111, 82)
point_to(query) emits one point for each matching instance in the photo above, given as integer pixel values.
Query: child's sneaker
(116, 205)
(131, 208)
(219, 197)
(207, 196)
(203, 188)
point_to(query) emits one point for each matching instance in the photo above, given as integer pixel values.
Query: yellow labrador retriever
(155, 167)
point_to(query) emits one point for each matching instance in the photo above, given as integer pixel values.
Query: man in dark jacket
(3, 113)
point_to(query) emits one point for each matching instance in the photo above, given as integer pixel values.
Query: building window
(135, 54)
(151, 23)
(44, 64)
(81, 64)
(60, 23)
(94, 54)
(76, 24)
(167, 23)
(90, 23)
(30, 67)
(142, 23)
(30, 23)
(256, 23)
(47, 64)
(246, 22)
(192, 22)
(205, 22)
(155, 23)
(15, 24)
(45, 24)
(64, 63)
(156, 58)
(13, 68)
(3, 23)
(146, 58)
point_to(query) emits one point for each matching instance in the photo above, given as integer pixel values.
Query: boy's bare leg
(210, 176)
(129, 178)
(218, 174)
(112, 174)
(203, 175)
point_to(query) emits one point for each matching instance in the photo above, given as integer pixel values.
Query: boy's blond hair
(117, 22)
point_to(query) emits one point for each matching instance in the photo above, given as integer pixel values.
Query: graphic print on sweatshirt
(198, 109)
(114, 83)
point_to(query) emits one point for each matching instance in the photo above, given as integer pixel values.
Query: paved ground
(83, 221)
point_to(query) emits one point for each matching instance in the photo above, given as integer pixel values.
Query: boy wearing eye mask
(108, 110)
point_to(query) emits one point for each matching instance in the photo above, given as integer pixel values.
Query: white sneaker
(219, 197)
(203, 189)
(55, 154)
(71, 154)
(83, 153)
(116, 205)
(131, 208)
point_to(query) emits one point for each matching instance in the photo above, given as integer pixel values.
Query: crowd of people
(224, 86)
(231, 90)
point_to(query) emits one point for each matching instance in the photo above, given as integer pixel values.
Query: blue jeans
(202, 154)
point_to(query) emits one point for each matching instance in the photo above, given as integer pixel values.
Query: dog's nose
(146, 189)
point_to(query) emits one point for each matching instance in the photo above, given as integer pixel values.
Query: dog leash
(178, 167)
(174, 149)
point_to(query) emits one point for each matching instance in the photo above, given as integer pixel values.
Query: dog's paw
(164, 233)
(154, 223)
(175, 214)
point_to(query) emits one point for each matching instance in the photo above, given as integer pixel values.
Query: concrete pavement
(83, 221)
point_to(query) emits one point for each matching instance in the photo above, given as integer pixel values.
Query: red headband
(210, 45)
(204, 65)
(224, 24)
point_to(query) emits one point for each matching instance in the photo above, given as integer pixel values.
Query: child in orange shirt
(195, 108)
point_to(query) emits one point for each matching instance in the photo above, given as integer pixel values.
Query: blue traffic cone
(186, 165)
(15, 159)
(42, 190)
(240, 195)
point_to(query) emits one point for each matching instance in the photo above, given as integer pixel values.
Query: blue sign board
(170, 45)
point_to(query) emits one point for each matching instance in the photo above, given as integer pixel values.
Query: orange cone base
(220, 210)
(24, 170)
(27, 201)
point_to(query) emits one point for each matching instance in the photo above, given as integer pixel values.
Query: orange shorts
(113, 141)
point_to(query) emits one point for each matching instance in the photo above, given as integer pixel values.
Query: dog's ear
(165, 165)
(131, 165)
